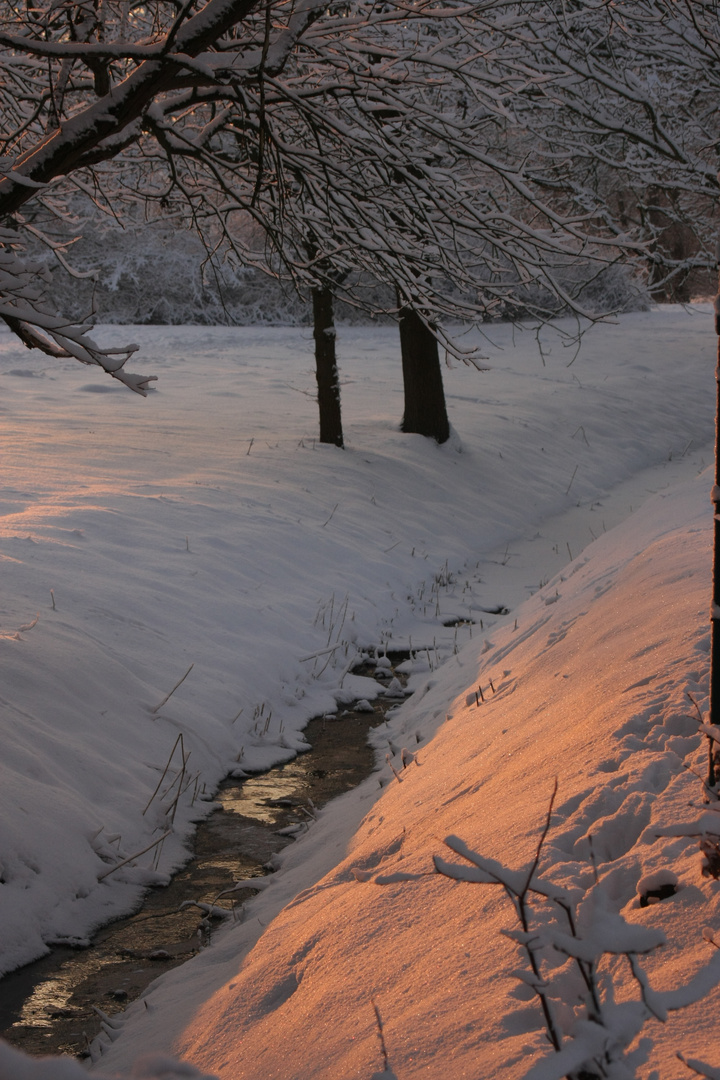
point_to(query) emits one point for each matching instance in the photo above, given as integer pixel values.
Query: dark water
(49, 1006)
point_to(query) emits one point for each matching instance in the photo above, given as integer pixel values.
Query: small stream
(49, 1006)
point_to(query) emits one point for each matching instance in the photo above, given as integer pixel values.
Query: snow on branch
(591, 1034)
(30, 318)
(478, 159)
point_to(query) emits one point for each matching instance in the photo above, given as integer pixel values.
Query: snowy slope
(592, 689)
(205, 527)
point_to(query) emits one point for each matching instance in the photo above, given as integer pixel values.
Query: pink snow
(591, 677)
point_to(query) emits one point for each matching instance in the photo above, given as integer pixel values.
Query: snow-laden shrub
(564, 935)
(154, 273)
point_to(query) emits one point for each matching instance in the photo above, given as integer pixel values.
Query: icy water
(50, 1006)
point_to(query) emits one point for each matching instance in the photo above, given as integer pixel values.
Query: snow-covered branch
(479, 158)
(584, 929)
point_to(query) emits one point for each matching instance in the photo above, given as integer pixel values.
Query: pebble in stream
(49, 1006)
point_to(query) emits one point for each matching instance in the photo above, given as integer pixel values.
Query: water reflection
(49, 1006)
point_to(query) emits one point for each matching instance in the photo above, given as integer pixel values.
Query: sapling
(590, 1033)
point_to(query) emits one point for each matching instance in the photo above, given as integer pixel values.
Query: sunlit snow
(205, 526)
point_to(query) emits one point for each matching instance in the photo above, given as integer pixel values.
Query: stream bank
(50, 1006)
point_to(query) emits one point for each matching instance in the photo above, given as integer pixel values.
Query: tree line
(478, 159)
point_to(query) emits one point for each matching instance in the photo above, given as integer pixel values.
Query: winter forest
(358, 631)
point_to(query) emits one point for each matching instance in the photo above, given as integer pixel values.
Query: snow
(206, 527)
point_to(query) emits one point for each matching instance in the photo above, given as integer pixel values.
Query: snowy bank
(205, 527)
(591, 688)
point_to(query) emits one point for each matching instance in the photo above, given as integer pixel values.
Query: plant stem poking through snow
(137, 855)
(168, 696)
(331, 514)
(178, 742)
(387, 1072)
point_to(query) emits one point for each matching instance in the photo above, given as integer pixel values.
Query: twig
(545, 831)
(177, 684)
(331, 514)
(593, 860)
(567, 492)
(396, 774)
(381, 1036)
(697, 707)
(321, 652)
(703, 781)
(172, 810)
(135, 856)
(520, 901)
(172, 753)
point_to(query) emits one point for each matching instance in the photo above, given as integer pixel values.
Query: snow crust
(204, 527)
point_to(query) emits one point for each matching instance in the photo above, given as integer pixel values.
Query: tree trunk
(425, 412)
(714, 711)
(326, 370)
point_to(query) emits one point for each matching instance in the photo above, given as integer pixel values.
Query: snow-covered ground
(205, 526)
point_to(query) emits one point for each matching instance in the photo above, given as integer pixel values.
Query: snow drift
(219, 535)
(592, 688)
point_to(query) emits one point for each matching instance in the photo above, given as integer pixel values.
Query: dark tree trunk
(425, 412)
(326, 369)
(714, 711)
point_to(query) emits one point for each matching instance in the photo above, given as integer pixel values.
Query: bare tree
(471, 155)
(326, 368)
(425, 409)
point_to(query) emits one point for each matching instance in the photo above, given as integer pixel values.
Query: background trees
(481, 159)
